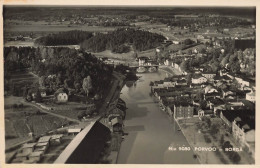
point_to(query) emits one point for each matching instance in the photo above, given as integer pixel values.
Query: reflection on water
(151, 132)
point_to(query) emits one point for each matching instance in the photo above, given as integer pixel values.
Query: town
(98, 85)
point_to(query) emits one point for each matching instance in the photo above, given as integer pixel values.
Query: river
(151, 133)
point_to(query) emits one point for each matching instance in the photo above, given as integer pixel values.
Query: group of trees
(73, 37)
(59, 67)
(120, 39)
(233, 156)
(235, 60)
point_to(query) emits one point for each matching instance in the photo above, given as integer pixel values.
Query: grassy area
(19, 122)
(198, 133)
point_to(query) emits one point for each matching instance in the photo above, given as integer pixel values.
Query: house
(209, 75)
(61, 95)
(243, 127)
(44, 139)
(117, 124)
(226, 78)
(250, 96)
(74, 131)
(226, 92)
(242, 81)
(41, 146)
(181, 82)
(22, 156)
(212, 102)
(56, 139)
(223, 72)
(34, 91)
(197, 79)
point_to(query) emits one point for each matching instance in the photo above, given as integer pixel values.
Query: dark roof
(217, 77)
(181, 81)
(246, 116)
(225, 77)
(215, 101)
(213, 94)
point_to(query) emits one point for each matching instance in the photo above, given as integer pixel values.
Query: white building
(198, 80)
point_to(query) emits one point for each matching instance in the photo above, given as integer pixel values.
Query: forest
(56, 68)
(73, 37)
(122, 39)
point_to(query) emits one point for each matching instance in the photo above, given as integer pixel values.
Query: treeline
(73, 37)
(119, 41)
(57, 67)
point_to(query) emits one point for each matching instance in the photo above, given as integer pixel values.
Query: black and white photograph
(129, 84)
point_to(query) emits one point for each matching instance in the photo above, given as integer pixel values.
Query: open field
(109, 54)
(20, 121)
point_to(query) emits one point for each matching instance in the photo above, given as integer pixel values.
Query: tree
(224, 61)
(188, 42)
(189, 51)
(184, 65)
(38, 97)
(42, 81)
(221, 141)
(87, 84)
(203, 104)
(214, 129)
(235, 67)
(208, 121)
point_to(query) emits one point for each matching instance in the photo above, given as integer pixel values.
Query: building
(74, 131)
(43, 146)
(250, 96)
(182, 110)
(142, 60)
(61, 95)
(36, 156)
(28, 148)
(209, 75)
(56, 139)
(198, 79)
(243, 130)
(117, 124)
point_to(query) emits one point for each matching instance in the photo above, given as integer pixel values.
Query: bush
(234, 157)
(15, 105)
(207, 139)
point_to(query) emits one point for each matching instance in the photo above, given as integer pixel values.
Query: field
(20, 121)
